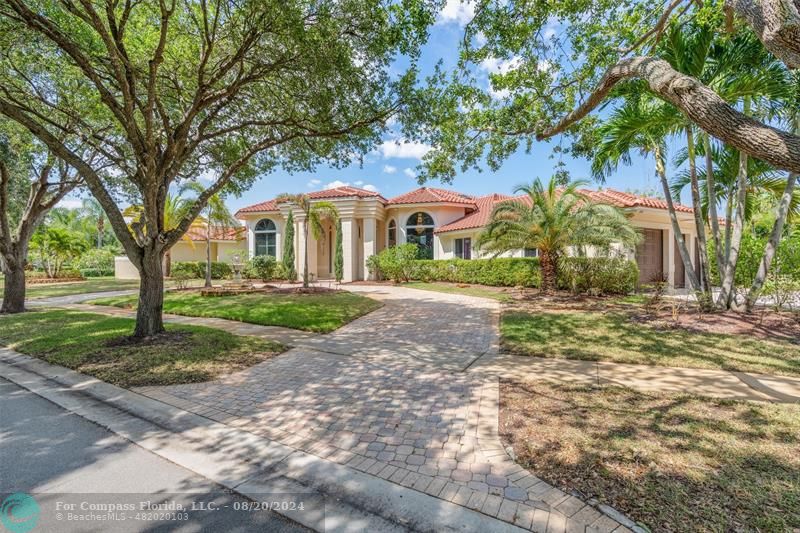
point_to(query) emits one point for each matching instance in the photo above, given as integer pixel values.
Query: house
(445, 224)
(225, 244)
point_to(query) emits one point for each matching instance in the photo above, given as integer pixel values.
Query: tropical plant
(92, 210)
(554, 220)
(289, 270)
(338, 259)
(217, 217)
(314, 213)
(56, 246)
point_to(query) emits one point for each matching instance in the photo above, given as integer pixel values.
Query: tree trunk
(661, 170)
(711, 192)
(208, 259)
(548, 264)
(697, 205)
(168, 263)
(726, 295)
(14, 291)
(772, 244)
(305, 255)
(149, 320)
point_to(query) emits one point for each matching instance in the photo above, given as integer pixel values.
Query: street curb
(243, 462)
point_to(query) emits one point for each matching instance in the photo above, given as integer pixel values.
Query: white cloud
(361, 184)
(495, 65)
(70, 203)
(551, 28)
(389, 169)
(410, 172)
(403, 149)
(456, 11)
(314, 183)
(336, 183)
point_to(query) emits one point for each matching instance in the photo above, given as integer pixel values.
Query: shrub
(499, 272)
(598, 275)
(374, 268)
(262, 267)
(397, 263)
(96, 262)
(64, 273)
(197, 269)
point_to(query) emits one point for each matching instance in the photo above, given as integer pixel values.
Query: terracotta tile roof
(429, 195)
(336, 192)
(627, 200)
(269, 205)
(479, 217)
(485, 206)
(343, 192)
(218, 233)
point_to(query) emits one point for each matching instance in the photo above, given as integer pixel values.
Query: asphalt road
(84, 478)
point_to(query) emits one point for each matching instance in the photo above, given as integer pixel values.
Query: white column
(349, 240)
(370, 242)
(251, 241)
(671, 258)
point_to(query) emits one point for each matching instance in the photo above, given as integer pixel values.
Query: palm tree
(216, 215)
(554, 219)
(92, 210)
(314, 214)
(643, 124)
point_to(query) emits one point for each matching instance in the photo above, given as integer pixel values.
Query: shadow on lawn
(614, 337)
(672, 462)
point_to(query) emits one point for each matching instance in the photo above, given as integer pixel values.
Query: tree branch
(776, 23)
(700, 104)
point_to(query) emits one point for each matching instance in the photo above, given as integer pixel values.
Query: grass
(614, 337)
(97, 345)
(450, 288)
(321, 313)
(49, 290)
(672, 462)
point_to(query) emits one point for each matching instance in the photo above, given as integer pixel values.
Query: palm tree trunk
(208, 258)
(549, 265)
(168, 263)
(305, 255)
(711, 192)
(700, 226)
(661, 171)
(772, 244)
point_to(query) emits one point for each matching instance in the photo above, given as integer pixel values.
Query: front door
(650, 256)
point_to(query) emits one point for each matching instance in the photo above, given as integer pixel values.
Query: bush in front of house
(197, 270)
(498, 272)
(395, 263)
(95, 262)
(598, 275)
(263, 267)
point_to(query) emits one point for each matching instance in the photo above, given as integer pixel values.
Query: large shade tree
(166, 91)
(32, 182)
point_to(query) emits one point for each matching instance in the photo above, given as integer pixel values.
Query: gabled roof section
(325, 194)
(430, 195)
(269, 205)
(479, 217)
(218, 233)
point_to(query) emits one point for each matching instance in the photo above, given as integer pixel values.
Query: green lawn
(321, 313)
(451, 288)
(49, 290)
(614, 337)
(96, 345)
(671, 462)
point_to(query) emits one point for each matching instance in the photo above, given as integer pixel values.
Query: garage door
(650, 256)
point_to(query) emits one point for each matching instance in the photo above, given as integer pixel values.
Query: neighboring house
(445, 224)
(225, 243)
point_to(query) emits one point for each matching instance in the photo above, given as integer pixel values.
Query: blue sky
(390, 168)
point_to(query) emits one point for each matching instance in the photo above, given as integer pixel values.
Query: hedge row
(197, 269)
(500, 272)
(579, 274)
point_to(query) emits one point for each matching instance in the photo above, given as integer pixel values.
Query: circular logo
(20, 512)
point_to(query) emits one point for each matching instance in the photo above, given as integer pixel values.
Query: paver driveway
(386, 395)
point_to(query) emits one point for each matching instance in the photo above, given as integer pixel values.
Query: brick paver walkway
(386, 395)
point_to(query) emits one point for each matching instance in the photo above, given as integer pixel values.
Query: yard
(673, 463)
(501, 294)
(318, 312)
(100, 346)
(620, 331)
(49, 290)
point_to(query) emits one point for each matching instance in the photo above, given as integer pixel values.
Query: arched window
(419, 230)
(265, 235)
(392, 233)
